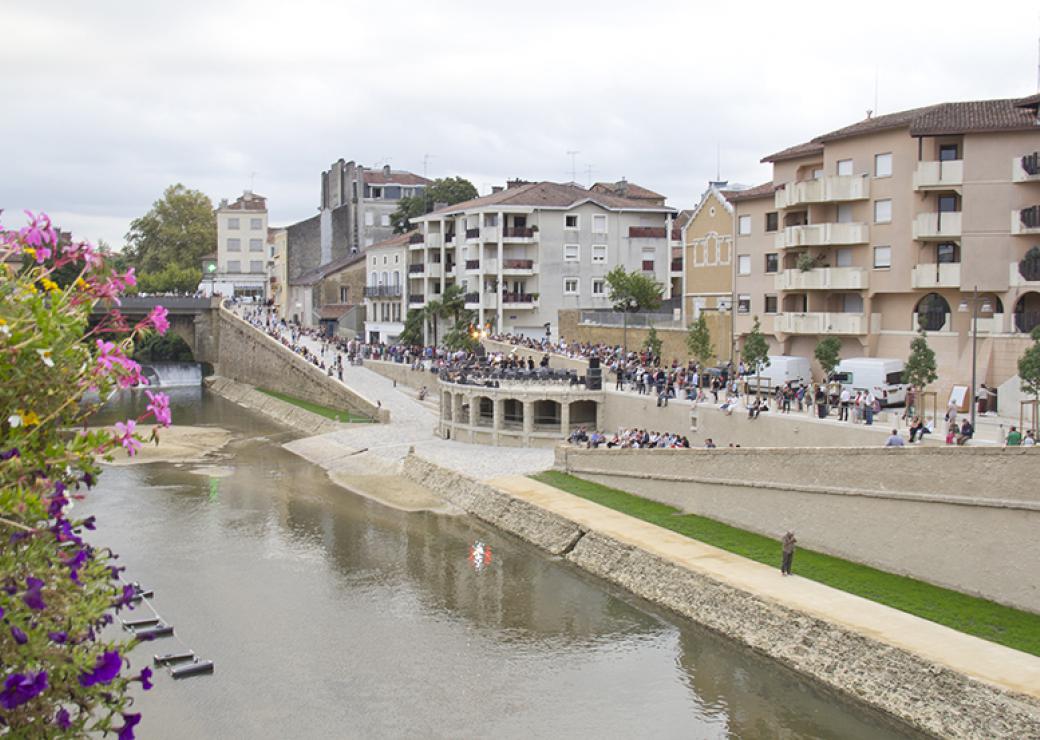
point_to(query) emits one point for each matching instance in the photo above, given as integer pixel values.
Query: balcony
(937, 226)
(518, 267)
(991, 324)
(433, 270)
(1026, 221)
(824, 278)
(472, 265)
(473, 300)
(821, 323)
(519, 300)
(433, 241)
(416, 239)
(941, 275)
(676, 266)
(417, 270)
(646, 232)
(382, 291)
(822, 235)
(832, 189)
(944, 175)
(449, 239)
(518, 234)
(473, 233)
(416, 300)
(1026, 168)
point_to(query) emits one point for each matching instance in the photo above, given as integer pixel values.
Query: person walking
(787, 545)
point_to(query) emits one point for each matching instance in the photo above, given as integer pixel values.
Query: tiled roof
(1010, 114)
(549, 195)
(765, 190)
(626, 189)
(396, 177)
(794, 152)
(246, 202)
(899, 119)
(317, 274)
(682, 218)
(334, 311)
(397, 240)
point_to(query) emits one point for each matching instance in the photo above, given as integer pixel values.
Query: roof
(765, 190)
(1009, 114)
(795, 152)
(396, 177)
(397, 240)
(683, 217)
(317, 274)
(334, 311)
(625, 189)
(248, 201)
(549, 195)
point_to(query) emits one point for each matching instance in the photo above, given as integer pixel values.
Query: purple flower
(20, 688)
(145, 678)
(127, 598)
(88, 479)
(124, 435)
(57, 505)
(8, 454)
(158, 319)
(159, 404)
(20, 637)
(58, 637)
(33, 597)
(89, 523)
(1, 612)
(105, 669)
(126, 732)
(62, 720)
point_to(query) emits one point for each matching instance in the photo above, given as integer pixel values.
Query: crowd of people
(629, 439)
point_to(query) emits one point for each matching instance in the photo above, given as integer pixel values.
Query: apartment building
(895, 222)
(530, 249)
(241, 248)
(277, 270)
(707, 243)
(386, 300)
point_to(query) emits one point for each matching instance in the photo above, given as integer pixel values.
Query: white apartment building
(386, 300)
(529, 250)
(242, 250)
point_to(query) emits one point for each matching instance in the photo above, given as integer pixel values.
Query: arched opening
(1027, 312)
(547, 415)
(485, 411)
(1029, 266)
(583, 414)
(933, 312)
(512, 414)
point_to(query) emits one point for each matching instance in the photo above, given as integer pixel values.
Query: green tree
(180, 229)
(631, 292)
(756, 352)
(1029, 366)
(920, 367)
(413, 327)
(453, 303)
(698, 341)
(433, 312)
(152, 346)
(407, 209)
(461, 336)
(170, 279)
(652, 343)
(444, 190)
(828, 354)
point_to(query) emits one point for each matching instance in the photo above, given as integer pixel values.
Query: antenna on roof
(573, 154)
(588, 174)
(718, 161)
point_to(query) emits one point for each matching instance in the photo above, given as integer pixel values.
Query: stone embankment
(924, 693)
(302, 420)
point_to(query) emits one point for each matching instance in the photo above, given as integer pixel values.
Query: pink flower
(132, 376)
(108, 353)
(38, 233)
(128, 278)
(125, 436)
(158, 319)
(159, 405)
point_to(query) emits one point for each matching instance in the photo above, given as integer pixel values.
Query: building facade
(277, 274)
(530, 249)
(241, 248)
(898, 222)
(386, 299)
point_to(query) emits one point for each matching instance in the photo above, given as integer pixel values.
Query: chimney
(496, 189)
(510, 184)
(622, 187)
(223, 202)
(386, 170)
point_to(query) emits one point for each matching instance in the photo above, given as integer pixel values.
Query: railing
(415, 239)
(646, 232)
(822, 278)
(937, 225)
(472, 264)
(518, 298)
(677, 265)
(1031, 163)
(382, 291)
(821, 235)
(471, 298)
(939, 174)
(936, 275)
(473, 233)
(417, 268)
(517, 264)
(617, 318)
(1030, 217)
(416, 298)
(518, 232)
(831, 189)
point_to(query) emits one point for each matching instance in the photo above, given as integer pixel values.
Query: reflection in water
(329, 615)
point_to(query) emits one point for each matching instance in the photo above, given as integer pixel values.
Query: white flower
(45, 357)
(5, 330)
(14, 420)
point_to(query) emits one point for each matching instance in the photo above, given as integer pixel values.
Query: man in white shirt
(846, 401)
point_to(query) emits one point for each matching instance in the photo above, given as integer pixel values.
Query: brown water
(330, 616)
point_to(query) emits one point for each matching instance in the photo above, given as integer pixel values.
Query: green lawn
(974, 616)
(344, 416)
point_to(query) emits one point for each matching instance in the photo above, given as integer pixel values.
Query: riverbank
(177, 444)
(935, 679)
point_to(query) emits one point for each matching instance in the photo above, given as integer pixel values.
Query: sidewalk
(994, 664)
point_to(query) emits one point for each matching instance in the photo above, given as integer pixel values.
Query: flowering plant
(58, 676)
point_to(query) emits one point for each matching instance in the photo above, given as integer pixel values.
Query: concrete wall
(303, 421)
(247, 355)
(404, 375)
(935, 514)
(673, 341)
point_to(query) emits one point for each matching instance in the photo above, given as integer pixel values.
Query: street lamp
(974, 306)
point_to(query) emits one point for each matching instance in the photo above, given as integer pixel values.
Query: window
(599, 224)
(344, 294)
(392, 192)
(744, 225)
(234, 266)
(883, 211)
(883, 165)
(370, 218)
(948, 153)
(384, 259)
(648, 259)
(256, 245)
(843, 257)
(743, 264)
(772, 262)
(844, 166)
(947, 204)
(397, 258)
(946, 252)
(256, 266)
(256, 223)
(384, 220)
(852, 303)
(599, 253)
(770, 304)
(232, 223)
(234, 245)
(570, 221)
(817, 173)
(772, 221)
(599, 287)
(743, 304)
(882, 257)
(844, 213)
(571, 253)
(377, 192)
(570, 286)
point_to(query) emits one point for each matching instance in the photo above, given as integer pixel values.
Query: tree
(170, 279)
(413, 327)
(1029, 366)
(179, 230)
(652, 343)
(453, 302)
(152, 346)
(433, 312)
(828, 354)
(462, 336)
(756, 352)
(698, 341)
(631, 292)
(442, 191)
(920, 366)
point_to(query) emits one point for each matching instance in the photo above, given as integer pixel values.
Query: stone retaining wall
(403, 374)
(302, 420)
(962, 518)
(929, 697)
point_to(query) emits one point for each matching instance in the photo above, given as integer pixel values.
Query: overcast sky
(107, 103)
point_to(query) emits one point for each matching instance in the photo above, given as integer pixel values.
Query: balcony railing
(1030, 217)
(416, 239)
(517, 264)
(416, 298)
(472, 264)
(939, 175)
(832, 189)
(937, 225)
(677, 265)
(1026, 168)
(518, 232)
(473, 233)
(518, 298)
(382, 291)
(646, 232)
(471, 298)
(823, 278)
(820, 323)
(936, 275)
(417, 269)
(822, 235)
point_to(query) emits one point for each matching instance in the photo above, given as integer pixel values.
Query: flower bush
(59, 677)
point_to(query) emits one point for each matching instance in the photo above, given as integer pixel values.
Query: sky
(107, 103)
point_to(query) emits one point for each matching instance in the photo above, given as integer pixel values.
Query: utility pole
(573, 154)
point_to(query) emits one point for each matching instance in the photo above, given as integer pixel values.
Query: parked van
(783, 369)
(873, 374)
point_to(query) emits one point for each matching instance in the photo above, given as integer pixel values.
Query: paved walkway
(985, 661)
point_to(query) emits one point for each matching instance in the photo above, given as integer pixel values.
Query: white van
(873, 374)
(783, 369)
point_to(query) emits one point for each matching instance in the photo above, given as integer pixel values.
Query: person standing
(787, 545)
(845, 399)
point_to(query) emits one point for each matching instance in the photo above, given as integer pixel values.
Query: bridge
(191, 318)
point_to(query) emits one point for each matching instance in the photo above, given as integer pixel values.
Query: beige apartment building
(277, 270)
(872, 230)
(386, 301)
(241, 244)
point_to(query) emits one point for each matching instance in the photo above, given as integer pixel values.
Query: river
(329, 615)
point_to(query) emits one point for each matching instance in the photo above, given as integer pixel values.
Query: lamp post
(986, 307)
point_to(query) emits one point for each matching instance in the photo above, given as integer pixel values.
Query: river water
(329, 616)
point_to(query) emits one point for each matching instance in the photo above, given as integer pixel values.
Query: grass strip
(342, 416)
(969, 614)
